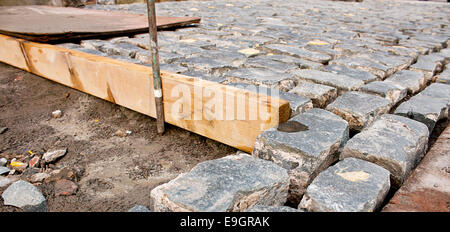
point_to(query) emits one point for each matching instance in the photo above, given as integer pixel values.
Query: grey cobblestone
(298, 52)
(321, 95)
(341, 82)
(232, 183)
(364, 64)
(352, 185)
(389, 90)
(298, 104)
(429, 106)
(366, 77)
(262, 77)
(428, 65)
(411, 80)
(444, 77)
(359, 109)
(399, 145)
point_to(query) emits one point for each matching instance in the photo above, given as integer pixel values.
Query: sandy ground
(113, 173)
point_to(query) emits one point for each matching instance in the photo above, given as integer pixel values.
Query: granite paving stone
(359, 109)
(351, 185)
(305, 145)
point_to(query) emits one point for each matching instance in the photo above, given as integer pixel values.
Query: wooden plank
(50, 24)
(189, 103)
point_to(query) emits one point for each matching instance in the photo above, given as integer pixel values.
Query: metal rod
(157, 89)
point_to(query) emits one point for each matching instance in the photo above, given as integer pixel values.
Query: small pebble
(57, 114)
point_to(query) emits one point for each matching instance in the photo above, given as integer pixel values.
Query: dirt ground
(113, 173)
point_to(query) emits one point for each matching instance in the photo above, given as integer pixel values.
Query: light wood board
(130, 85)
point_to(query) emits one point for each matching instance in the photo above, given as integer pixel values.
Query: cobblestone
(297, 103)
(321, 95)
(305, 145)
(263, 77)
(411, 80)
(352, 185)
(429, 106)
(364, 76)
(427, 188)
(428, 65)
(389, 90)
(232, 183)
(444, 77)
(359, 109)
(341, 82)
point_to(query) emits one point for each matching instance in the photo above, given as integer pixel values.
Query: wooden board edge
(69, 63)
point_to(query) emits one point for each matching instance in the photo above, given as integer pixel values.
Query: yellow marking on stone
(211, 7)
(318, 42)
(193, 9)
(249, 51)
(354, 176)
(246, 7)
(219, 24)
(348, 15)
(315, 10)
(362, 8)
(229, 4)
(269, 54)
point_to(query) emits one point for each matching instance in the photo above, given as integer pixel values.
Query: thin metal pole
(157, 90)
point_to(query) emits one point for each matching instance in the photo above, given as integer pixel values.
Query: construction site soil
(113, 173)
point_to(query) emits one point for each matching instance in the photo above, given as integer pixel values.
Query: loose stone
(232, 183)
(399, 145)
(352, 185)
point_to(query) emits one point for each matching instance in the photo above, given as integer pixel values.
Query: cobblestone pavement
(365, 62)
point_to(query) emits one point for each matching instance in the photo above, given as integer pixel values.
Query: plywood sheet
(49, 24)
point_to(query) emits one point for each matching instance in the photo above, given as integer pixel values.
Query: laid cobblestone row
(275, 37)
(357, 60)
